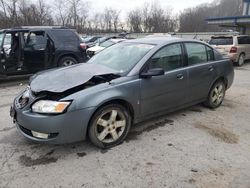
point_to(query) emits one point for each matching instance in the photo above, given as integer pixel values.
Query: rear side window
(65, 35)
(244, 40)
(210, 54)
(196, 52)
(36, 40)
(168, 58)
(221, 41)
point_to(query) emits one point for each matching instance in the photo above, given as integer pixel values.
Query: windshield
(122, 57)
(221, 41)
(1, 38)
(87, 39)
(107, 44)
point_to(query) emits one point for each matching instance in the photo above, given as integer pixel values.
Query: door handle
(180, 76)
(210, 68)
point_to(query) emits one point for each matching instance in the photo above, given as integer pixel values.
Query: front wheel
(109, 126)
(216, 95)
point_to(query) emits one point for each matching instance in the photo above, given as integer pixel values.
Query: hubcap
(68, 63)
(110, 126)
(218, 94)
(241, 60)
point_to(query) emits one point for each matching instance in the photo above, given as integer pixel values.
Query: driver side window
(168, 58)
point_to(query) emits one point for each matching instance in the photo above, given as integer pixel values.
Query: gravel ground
(194, 147)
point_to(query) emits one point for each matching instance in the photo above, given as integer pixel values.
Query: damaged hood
(63, 79)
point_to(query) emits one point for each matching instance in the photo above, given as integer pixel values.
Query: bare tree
(135, 20)
(62, 12)
(193, 19)
(115, 14)
(151, 18)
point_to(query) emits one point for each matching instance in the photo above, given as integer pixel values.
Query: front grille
(29, 133)
(26, 131)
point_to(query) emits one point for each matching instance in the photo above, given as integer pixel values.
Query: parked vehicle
(121, 86)
(90, 41)
(236, 47)
(94, 50)
(103, 39)
(30, 49)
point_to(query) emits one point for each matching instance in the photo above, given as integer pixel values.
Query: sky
(126, 5)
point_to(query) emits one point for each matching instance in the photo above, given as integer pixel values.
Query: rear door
(35, 51)
(201, 70)
(169, 90)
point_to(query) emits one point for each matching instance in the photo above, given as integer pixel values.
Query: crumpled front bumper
(64, 128)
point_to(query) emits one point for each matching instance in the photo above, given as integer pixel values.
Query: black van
(27, 50)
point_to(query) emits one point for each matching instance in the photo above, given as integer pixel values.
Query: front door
(11, 56)
(2, 59)
(169, 90)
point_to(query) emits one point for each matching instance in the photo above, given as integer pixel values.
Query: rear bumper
(234, 57)
(230, 75)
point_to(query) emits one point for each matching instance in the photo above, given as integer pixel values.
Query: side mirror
(152, 72)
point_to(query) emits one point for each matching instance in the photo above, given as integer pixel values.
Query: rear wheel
(216, 95)
(241, 60)
(67, 61)
(109, 126)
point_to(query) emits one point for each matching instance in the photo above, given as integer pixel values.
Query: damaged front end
(94, 81)
(47, 90)
(62, 82)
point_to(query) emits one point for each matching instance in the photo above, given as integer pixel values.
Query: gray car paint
(147, 97)
(68, 77)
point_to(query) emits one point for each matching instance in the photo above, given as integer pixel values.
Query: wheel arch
(240, 55)
(221, 78)
(119, 101)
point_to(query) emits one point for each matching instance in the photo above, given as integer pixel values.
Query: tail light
(233, 50)
(83, 46)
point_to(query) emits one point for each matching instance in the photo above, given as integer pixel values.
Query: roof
(155, 40)
(27, 28)
(161, 41)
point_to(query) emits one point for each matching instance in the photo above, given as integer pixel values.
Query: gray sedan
(119, 87)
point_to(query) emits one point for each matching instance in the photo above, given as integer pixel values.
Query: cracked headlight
(50, 107)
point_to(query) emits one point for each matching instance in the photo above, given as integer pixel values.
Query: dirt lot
(194, 147)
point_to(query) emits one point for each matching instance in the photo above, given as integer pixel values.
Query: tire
(216, 95)
(67, 61)
(104, 130)
(241, 60)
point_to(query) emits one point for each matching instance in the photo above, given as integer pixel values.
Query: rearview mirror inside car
(152, 72)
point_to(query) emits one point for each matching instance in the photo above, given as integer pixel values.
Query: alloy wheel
(110, 126)
(241, 60)
(68, 63)
(218, 94)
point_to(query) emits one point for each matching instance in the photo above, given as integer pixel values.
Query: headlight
(23, 100)
(50, 107)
